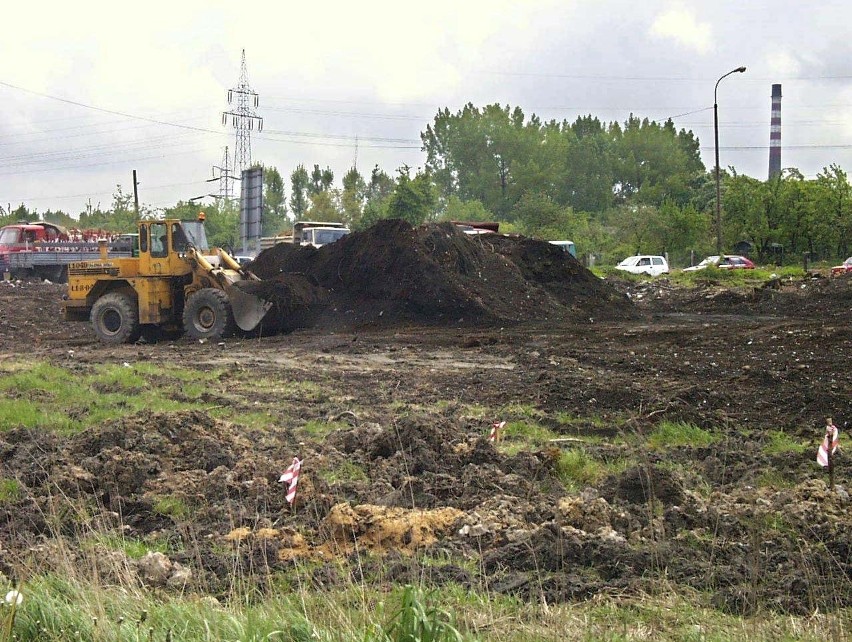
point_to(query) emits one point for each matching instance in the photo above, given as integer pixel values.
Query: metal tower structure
(775, 133)
(225, 177)
(243, 118)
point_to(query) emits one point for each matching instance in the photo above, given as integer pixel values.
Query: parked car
(844, 268)
(725, 262)
(644, 264)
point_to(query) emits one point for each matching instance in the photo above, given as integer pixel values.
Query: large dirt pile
(394, 273)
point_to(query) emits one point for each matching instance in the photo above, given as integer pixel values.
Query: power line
(88, 194)
(696, 79)
(106, 111)
(109, 162)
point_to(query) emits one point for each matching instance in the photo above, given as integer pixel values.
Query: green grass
(522, 435)
(347, 471)
(18, 412)
(775, 479)
(10, 491)
(130, 546)
(780, 443)
(173, 507)
(735, 278)
(670, 434)
(57, 609)
(70, 399)
(527, 411)
(576, 469)
(319, 429)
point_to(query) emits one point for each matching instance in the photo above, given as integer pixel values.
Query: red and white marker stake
(822, 453)
(496, 427)
(291, 475)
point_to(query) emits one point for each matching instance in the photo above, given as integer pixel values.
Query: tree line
(613, 188)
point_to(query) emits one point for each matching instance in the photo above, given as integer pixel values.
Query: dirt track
(740, 365)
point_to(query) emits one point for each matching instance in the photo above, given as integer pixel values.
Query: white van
(644, 264)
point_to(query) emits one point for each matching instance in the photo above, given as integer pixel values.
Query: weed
(173, 507)
(318, 429)
(575, 468)
(17, 412)
(774, 479)
(670, 434)
(780, 443)
(521, 434)
(133, 548)
(10, 490)
(347, 471)
(417, 621)
(527, 411)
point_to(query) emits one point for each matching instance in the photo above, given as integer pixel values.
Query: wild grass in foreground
(58, 609)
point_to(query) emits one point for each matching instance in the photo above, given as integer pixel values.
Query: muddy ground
(432, 499)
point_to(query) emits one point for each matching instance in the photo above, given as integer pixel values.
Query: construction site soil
(419, 339)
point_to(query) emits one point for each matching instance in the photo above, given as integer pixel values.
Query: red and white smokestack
(775, 133)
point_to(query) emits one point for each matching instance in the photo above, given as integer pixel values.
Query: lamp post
(738, 70)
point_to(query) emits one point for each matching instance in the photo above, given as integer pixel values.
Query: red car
(846, 268)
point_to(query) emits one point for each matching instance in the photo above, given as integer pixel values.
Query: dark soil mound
(395, 273)
(813, 297)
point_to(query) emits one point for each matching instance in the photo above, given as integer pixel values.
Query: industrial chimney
(775, 133)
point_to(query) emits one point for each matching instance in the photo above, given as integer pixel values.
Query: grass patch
(17, 412)
(173, 507)
(319, 428)
(522, 435)
(54, 606)
(10, 490)
(576, 469)
(774, 479)
(125, 377)
(671, 434)
(132, 547)
(780, 443)
(527, 411)
(347, 471)
(47, 396)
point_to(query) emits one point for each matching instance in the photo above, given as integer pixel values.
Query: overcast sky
(81, 83)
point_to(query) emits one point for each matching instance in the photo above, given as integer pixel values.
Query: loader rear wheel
(208, 315)
(115, 318)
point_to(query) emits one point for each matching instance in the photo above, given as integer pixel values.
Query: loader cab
(161, 244)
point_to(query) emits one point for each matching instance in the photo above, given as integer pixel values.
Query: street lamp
(738, 70)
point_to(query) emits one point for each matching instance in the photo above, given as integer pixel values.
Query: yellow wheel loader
(173, 283)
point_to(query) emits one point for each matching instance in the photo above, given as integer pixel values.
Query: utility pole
(225, 177)
(718, 226)
(135, 194)
(243, 118)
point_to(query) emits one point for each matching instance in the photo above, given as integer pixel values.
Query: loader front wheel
(208, 315)
(115, 318)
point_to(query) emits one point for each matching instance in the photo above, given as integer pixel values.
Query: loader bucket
(248, 309)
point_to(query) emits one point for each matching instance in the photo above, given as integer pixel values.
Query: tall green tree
(539, 216)
(299, 198)
(470, 154)
(589, 172)
(413, 199)
(321, 180)
(832, 200)
(324, 207)
(274, 202)
(654, 162)
(353, 195)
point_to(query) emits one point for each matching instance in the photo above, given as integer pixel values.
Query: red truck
(45, 249)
